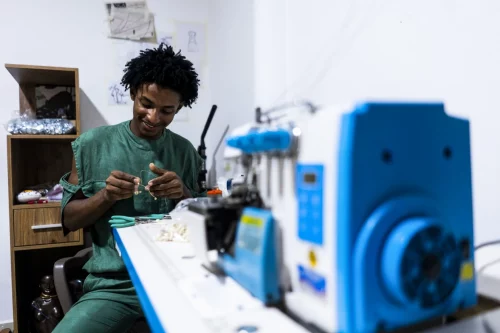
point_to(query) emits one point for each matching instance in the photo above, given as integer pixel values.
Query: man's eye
(167, 111)
(147, 106)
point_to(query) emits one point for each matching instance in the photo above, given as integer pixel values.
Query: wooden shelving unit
(36, 236)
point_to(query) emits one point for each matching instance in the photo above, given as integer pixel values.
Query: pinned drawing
(166, 39)
(192, 44)
(130, 20)
(190, 40)
(117, 94)
(126, 51)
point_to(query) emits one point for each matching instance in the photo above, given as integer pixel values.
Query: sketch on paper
(127, 50)
(192, 44)
(124, 51)
(167, 40)
(137, 6)
(117, 94)
(190, 40)
(130, 20)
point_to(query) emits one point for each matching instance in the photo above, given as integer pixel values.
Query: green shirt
(101, 150)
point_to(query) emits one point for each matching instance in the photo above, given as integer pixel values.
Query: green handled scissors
(151, 217)
(121, 221)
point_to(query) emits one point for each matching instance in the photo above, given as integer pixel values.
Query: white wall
(72, 33)
(231, 67)
(327, 51)
(337, 51)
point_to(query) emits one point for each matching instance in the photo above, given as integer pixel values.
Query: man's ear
(179, 108)
(132, 94)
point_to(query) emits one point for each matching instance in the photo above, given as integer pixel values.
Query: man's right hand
(120, 185)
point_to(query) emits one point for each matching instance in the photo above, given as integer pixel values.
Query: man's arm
(82, 212)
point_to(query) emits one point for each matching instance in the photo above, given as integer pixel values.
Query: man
(137, 167)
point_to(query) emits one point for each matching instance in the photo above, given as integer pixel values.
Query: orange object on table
(214, 193)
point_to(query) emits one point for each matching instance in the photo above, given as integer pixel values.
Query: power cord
(495, 242)
(445, 319)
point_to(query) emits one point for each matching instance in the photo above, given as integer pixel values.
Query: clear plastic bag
(183, 205)
(27, 123)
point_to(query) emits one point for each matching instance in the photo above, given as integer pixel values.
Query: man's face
(154, 109)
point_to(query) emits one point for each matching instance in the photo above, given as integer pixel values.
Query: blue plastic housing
(404, 216)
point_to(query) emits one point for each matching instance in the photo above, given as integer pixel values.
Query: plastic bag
(44, 189)
(183, 205)
(26, 123)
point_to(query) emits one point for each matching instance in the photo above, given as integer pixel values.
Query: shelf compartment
(36, 162)
(29, 77)
(31, 266)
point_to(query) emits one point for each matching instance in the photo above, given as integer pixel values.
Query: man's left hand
(167, 185)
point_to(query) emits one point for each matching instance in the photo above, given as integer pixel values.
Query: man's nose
(153, 116)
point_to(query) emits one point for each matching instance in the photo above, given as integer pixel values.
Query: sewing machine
(354, 219)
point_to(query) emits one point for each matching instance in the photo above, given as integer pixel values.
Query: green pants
(109, 305)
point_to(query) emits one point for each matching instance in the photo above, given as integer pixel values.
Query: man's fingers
(165, 186)
(155, 169)
(167, 177)
(118, 192)
(125, 176)
(122, 184)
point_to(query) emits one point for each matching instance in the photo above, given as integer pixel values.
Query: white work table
(487, 263)
(178, 295)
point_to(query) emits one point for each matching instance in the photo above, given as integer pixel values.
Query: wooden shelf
(41, 205)
(36, 234)
(42, 137)
(42, 75)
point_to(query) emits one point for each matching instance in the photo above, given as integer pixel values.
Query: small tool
(121, 221)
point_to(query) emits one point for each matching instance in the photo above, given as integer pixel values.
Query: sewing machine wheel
(420, 263)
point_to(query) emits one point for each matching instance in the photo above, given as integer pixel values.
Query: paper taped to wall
(165, 38)
(191, 41)
(117, 94)
(127, 50)
(130, 20)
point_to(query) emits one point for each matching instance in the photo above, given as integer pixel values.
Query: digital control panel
(310, 202)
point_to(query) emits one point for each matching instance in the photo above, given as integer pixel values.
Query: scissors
(122, 221)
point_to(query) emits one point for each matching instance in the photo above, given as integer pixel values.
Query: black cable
(495, 242)
(487, 326)
(259, 114)
(311, 106)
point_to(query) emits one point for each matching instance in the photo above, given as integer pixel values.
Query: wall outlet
(6, 324)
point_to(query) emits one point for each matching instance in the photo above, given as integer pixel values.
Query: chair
(69, 270)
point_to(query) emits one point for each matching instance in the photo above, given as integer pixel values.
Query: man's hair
(165, 68)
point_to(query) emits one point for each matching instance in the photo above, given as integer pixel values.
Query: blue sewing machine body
(404, 216)
(374, 207)
(255, 262)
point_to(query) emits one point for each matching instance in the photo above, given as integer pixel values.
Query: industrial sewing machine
(354, 219)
